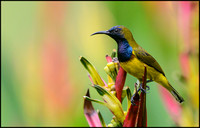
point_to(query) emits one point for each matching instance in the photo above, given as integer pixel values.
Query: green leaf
(128, 94)
(90, 68)
(94, 100)
(112, 103)
(101, 90)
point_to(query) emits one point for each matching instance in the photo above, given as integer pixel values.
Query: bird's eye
(116, 30)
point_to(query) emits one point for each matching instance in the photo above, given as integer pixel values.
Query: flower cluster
(113, 93)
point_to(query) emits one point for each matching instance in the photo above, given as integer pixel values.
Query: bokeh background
(43, 81)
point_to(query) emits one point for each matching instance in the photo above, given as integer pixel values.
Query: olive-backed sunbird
(133, 58)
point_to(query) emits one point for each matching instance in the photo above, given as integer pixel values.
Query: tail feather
(177, 95)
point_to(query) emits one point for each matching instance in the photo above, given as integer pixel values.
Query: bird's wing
(146, 58)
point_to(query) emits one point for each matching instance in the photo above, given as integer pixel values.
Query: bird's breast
(133, 66)
(136, 68)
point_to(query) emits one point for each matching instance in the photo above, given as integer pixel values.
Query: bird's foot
(135, 95)
(142, 89)
(132, 100)
(139, 89)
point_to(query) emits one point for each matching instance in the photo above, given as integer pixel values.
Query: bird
(132, 58)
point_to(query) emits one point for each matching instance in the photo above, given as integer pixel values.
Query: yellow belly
(136, 68)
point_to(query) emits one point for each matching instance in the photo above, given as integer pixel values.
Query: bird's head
(118, 33)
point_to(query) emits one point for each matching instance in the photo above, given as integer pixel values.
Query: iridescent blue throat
(124, 50)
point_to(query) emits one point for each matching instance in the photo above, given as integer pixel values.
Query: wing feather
(146, 58)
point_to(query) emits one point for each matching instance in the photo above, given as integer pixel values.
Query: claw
(143, 90)
(140, 89)
(134, 95)
(148, 88)
(132, 100)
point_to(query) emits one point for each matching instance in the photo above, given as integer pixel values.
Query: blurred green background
(42, 79)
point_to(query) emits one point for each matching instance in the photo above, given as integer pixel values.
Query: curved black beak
(101, 32)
